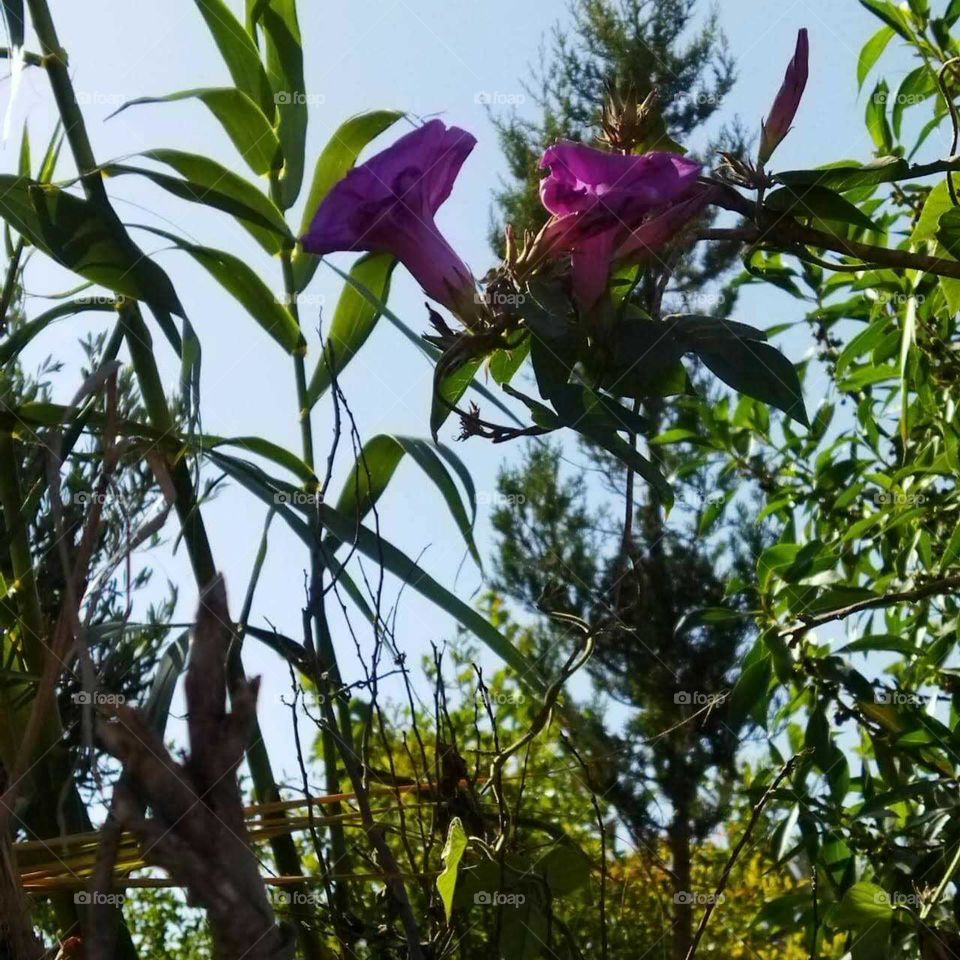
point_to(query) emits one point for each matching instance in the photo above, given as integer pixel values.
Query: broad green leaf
(938, 202)
(750, 689)
(564, 868)
(336, 160)
(73, 232)
(285, 67)
(239, 52)
(504, 364)
(918, 86)
(871, 53)
(252, 212)
(848, 175)
(820, 202)
(451, 856)
(948, 231)
(877, 123)
(353, 321)
(246, 287)
(891, 15)
(375, 467)
(242, 120)
(757, 370)
(448, 393)
(862, 905)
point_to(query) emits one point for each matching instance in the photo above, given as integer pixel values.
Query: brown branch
(737, 850)
(197, 831)
(933, 588)
(783, 231)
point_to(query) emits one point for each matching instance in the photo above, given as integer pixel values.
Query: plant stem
(138, 342)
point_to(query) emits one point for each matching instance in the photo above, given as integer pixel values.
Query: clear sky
(428, 57)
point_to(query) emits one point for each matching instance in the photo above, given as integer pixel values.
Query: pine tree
(620, 565)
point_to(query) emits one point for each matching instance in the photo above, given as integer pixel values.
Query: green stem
(338, 839)
(139, 344)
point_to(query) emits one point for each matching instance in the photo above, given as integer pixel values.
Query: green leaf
(337, 159)
(847, 175)
(13, 21)
(757, 370)
(451, 856)
(262, 448)
(891, 16)
(157, 708)
(244, 122)
(246, 287)
(863, 905)
(871, 53)
(78, 236)
(375, 467)
(948, 231)
(19, 338)
(938, 202)
(751, 688)
(356, 536)
(285, 67)
(877, 123)
(564, 868)
(353, 321)
(239, 52)
(818, 201)
(212, 185)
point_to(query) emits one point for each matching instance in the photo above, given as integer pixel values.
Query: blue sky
(427, 57)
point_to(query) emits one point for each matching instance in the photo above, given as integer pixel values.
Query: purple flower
(785, 107)
(389, 204)
(656, 232)
(600, 198)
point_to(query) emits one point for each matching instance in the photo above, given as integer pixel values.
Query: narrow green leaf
(75, 233)
(157, 708)
(375, 467)
(239, 52)
(353, 321)
(285, 67)
(203, 174)
(24, 334)
(892, 16)
(246, 287)
(451, 855)
(14, 22)
(871, 53)
(242, 120)
(337, 159)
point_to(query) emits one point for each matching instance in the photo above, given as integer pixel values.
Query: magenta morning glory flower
(785, 107)
(661, 228)
(389, 204)
(602, 197)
